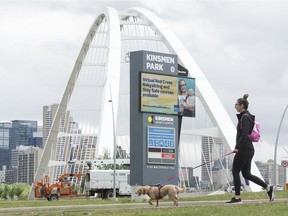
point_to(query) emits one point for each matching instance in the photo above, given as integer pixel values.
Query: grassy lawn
(125, 207)
(235, 210)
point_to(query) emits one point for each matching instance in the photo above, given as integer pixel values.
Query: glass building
(4, 143)
(21, 133)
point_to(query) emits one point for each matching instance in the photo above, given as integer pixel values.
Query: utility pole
(114, 148)
(276, 144)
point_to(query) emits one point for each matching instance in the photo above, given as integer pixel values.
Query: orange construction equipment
(62, 188)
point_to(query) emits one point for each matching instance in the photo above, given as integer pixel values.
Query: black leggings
(242, 162)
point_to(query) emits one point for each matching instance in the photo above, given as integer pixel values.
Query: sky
(240, 46)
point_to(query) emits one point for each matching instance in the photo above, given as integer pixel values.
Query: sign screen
(161, 145)
(167, 94)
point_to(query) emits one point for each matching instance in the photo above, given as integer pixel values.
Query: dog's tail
(181, 190)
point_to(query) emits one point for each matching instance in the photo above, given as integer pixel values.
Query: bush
(8, 191)
(1, 190)
(24, 195)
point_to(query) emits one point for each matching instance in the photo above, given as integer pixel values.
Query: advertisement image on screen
(159, 93)
(186, 96)
(167, 94)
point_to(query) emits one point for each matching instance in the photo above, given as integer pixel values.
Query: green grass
(244, 196)
(96, 207)
(279, 209)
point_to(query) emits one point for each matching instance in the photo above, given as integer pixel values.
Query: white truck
(101, 182)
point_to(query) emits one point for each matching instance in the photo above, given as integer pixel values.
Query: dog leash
(192, 168)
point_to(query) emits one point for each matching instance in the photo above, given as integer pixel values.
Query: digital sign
(167, 94)
(161, 145)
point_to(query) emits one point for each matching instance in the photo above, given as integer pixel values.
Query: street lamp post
(114, 148)
(276, 144)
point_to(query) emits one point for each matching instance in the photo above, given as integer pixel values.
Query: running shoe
(234, 201)
(271, 193)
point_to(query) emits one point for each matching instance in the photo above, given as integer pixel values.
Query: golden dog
(158, 192)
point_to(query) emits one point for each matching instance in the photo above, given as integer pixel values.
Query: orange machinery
(62, 188)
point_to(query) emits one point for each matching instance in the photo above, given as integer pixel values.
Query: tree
(107, 155)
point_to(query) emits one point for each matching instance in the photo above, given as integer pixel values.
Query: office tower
(2, 174)
(206, 170)
(267, 171)
(11, 175)
(26, 160)
(215, 172)
(21, 133)
(49, 113)
(4, 143)
(37, 138)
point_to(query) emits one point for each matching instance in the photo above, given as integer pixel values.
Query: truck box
(101, 182)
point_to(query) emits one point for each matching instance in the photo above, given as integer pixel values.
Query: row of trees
(18, 191)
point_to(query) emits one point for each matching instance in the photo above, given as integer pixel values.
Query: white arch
(113, 77)
(206, 94)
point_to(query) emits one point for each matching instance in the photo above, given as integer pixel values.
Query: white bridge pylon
(103, 61)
